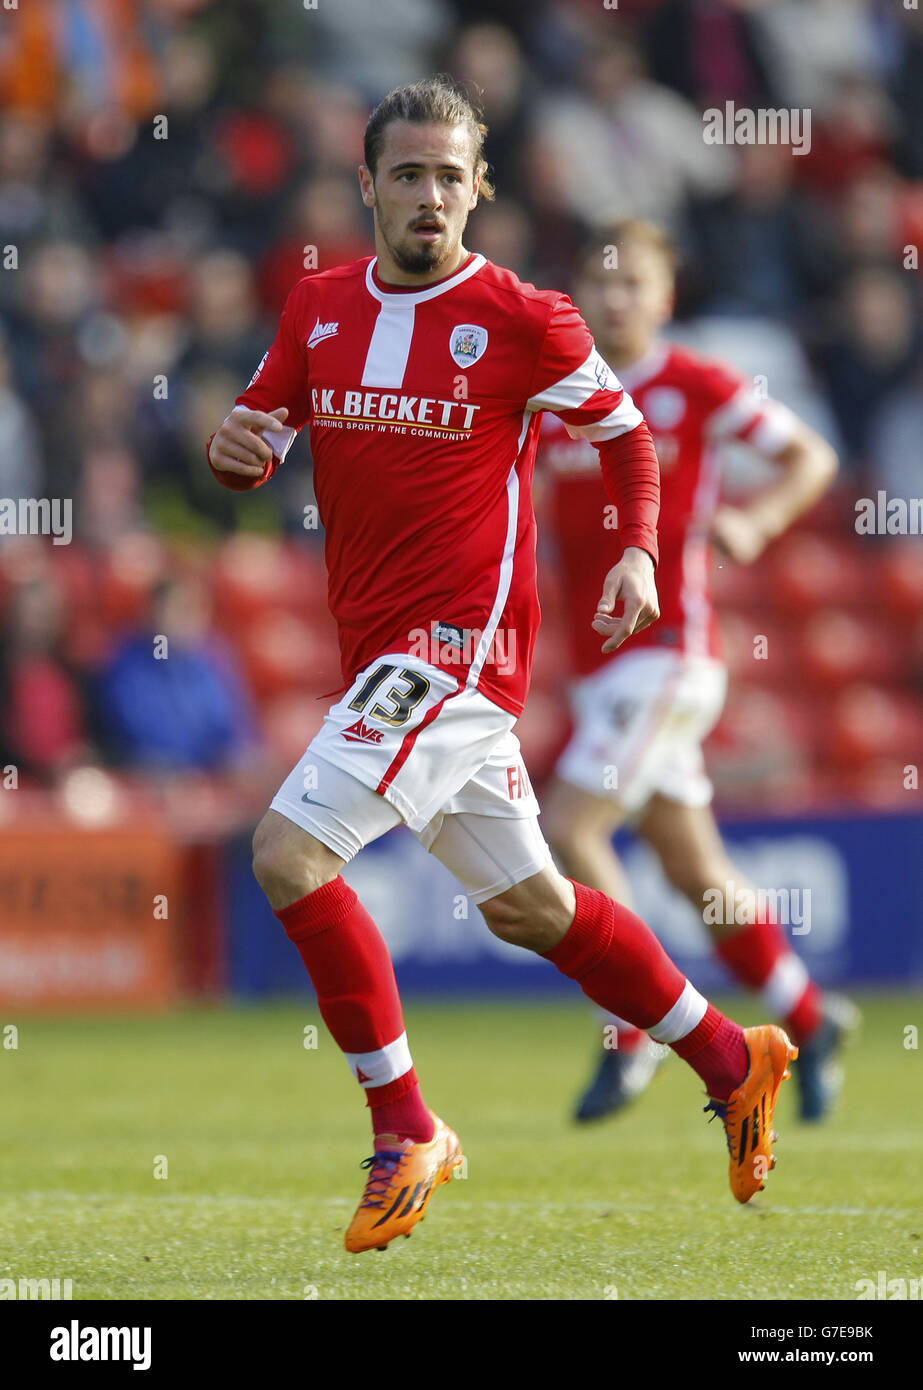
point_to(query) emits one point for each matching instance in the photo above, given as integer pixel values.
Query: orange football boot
(749, 1110)
(402, 1178)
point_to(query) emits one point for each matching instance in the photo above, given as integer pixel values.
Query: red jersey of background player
(424, 408)
(691, 404)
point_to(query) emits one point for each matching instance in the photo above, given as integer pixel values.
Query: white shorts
(410, 742)
(640, 724)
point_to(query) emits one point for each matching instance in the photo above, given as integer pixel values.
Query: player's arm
(258, 432)
(574, 382)
(807, 465)
(631, 474)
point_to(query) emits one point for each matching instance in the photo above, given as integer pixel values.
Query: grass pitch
(258, 1140)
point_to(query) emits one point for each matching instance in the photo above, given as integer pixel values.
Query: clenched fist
(239, 445)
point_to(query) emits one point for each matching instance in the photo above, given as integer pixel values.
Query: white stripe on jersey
(506, 562)
(771, 424)
(694, 603)
(573, 391)
(775, 429)
(386, 359)
(735, 415)
(384, 1065)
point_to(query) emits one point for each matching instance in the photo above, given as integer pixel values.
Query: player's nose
(430, 197)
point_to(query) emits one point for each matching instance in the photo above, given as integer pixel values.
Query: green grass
(263, 1140)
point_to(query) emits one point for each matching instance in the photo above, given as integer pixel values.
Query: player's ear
(473, 200)
(367, 186)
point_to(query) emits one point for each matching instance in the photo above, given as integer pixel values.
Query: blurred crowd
(169, 168)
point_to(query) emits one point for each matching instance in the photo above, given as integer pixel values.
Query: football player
(641, 714)
(422, 374)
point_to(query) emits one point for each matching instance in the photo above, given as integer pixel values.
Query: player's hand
(238, 446)
(738, 534)
(630, 583)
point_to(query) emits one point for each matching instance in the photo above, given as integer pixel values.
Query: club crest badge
(468, 342)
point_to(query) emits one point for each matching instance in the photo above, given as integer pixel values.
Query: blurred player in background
(423, 373)
(641, 715)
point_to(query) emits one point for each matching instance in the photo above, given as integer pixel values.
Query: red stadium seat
(900, 577)
(807, 571)
(290, 721)
(282, 653)
(835, 647)
(760, 754)
(759, 648)
(133, 566)
(880, 783)
(253, 574)
(736, 586)
(866, 722)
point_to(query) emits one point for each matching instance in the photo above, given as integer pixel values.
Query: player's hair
(627, 229)
(435, 100)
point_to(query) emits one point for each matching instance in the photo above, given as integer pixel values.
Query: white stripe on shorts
(378, 1068)
(686, 1013)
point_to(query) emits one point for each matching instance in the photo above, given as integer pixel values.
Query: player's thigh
(571, 813)
(490, 855)
(488, 837)
(688, 843)
(318, 820)
(505, 867)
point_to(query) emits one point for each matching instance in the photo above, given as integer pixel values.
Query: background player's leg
(688, 844)
(579, 826)
(347, 959)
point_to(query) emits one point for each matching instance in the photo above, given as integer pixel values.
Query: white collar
(428, 292)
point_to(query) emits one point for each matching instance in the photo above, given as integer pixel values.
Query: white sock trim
(787, 982)
(686, 1014)
(384, 1065)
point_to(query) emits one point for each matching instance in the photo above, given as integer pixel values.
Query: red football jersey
(424, 407)
(691, 404)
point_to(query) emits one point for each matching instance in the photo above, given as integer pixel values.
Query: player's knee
(513, 925)
(285, 864)
(533, 920)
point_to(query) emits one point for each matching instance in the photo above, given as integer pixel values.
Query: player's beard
(416, 260)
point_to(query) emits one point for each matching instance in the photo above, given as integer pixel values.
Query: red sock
(717, 1052)
(348, 962)
(760, 958)
(618, 961)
